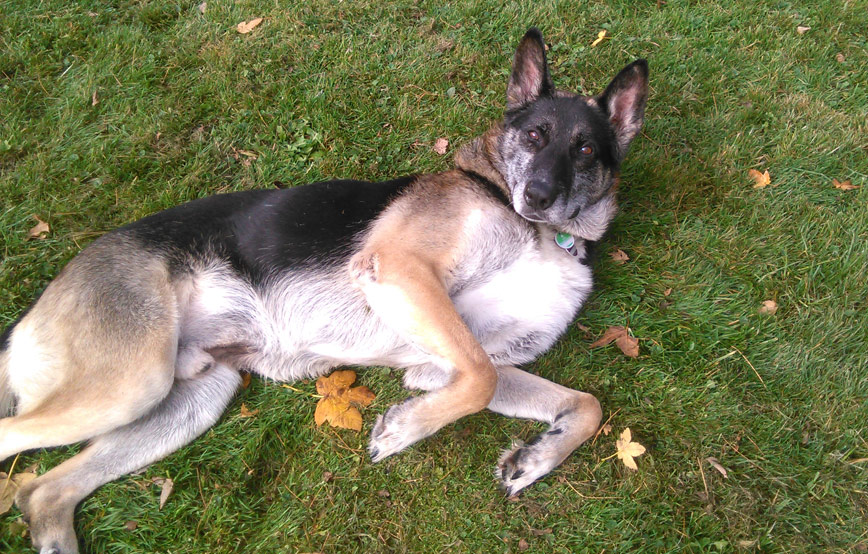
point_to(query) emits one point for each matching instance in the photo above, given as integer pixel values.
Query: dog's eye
(587, 150)
(533, 135)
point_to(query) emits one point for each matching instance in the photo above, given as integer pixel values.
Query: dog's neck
(479, 156)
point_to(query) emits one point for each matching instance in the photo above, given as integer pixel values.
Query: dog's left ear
(530, 77)
(624, 103)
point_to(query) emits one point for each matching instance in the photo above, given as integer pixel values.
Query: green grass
(363, 89)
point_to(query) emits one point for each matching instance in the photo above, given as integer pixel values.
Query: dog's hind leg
(191, 407)
(573, 416)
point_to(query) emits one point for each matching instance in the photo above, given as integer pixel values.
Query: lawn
(110, 111)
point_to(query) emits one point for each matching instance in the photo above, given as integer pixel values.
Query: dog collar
(568, 243)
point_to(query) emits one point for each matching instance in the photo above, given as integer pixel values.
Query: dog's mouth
(535, 216)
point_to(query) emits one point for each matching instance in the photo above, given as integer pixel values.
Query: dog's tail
(7, 399)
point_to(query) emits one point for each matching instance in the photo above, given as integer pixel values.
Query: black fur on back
(261, 232)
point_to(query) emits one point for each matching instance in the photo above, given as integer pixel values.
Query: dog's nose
(539, 195)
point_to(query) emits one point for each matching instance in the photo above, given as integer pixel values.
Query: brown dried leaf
(245, 379)
(769, 307)
(93, 99)
(440, 146)
(246, 412)
(165, 491)
(667, 292)
(627, 449)
(619, 256)
(9, 488)
(802, 29)
(846, 185)
(761, 180)
(523, 545)
(130, 525)
(583, 328)
(202, 7)
(606, 429)
(246, 26)
(715, 463)
(840, 57)
(610, 335)
(40, 231)
(628, 345)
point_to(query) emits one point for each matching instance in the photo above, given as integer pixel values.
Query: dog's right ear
(530, 77)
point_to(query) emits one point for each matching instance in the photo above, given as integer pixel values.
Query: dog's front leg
(573, 416)
(406, 292)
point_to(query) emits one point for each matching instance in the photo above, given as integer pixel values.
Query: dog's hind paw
(523, 464)
(395, 430)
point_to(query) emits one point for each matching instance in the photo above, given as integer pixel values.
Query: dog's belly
(520, 311)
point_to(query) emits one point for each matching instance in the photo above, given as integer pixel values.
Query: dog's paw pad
(394, 431)
(522, 465)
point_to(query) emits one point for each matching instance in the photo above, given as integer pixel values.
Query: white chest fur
(522, 309)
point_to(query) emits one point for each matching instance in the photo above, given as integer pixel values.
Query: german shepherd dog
(455, 277)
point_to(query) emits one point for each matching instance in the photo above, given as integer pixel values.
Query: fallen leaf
(245, 379)
(327, 476)
(245, 412)
(601, 36)
(336, 405)
(619, 256)
(606, 429)
(440, 146)
(628, 345)
(93, 99)
(769, 307)
(583, 328)
(246, 26)
(611, 334)
(715, 463)
(9, 487)
(336, 382)
(802, 29)
(627, 449)
(523, 545)
(40, 231)
(202, 7)
(338, 412)
(760, 179)
(541, 532)
(840, 57)
(165, 491)
(667, 292)
(846, 185)
(130, 525)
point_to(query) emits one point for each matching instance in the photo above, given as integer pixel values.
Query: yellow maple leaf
(760, 179)
(336, 405)
(627, 449)
(600, 37)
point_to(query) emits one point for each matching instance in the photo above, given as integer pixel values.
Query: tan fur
(93, 366)
(402, 270)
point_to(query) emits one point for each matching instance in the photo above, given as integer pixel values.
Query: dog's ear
(530, 77)
(624, 102)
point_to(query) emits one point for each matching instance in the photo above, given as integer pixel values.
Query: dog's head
(560, 152)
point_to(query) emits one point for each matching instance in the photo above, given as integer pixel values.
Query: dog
(457, 278)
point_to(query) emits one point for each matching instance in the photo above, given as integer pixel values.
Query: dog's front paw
(523, 464)
(397, 429)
